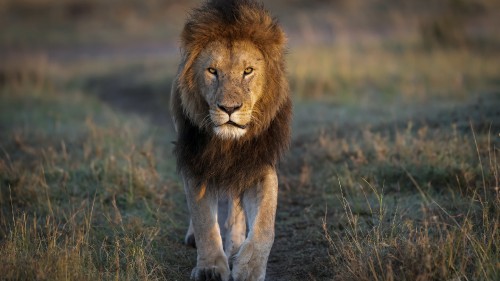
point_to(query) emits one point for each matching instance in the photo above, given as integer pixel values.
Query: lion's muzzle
(230, 109)
(229, 123)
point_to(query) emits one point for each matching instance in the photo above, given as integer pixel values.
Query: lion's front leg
(260, 209)
(211, 261)
(235, 226)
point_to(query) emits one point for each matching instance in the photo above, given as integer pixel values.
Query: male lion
(232, 112)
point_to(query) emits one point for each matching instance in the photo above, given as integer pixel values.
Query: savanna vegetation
(393, 172)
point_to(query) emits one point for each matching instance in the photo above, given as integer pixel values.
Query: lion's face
(230, 78)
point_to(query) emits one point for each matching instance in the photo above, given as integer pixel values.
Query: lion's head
(232, 76)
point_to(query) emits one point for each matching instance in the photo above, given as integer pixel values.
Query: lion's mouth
(235, 124)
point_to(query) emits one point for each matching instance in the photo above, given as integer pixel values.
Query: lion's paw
(253, 271)
(209, 274)
(218, 271)
(249, 265)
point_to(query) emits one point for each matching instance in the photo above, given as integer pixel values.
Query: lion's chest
(228, 165)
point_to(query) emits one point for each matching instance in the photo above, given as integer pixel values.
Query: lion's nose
(229, 109)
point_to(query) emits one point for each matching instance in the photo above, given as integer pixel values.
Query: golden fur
(232, 112)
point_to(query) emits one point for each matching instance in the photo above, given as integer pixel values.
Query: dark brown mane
(231, 164)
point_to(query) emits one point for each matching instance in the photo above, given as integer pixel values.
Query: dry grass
(435, 216)
(404, 199)
(81, 193)
(438, 246)
(370, 69)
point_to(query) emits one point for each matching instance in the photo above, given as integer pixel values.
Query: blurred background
(348, 49)
(396, 107)
(341, 51)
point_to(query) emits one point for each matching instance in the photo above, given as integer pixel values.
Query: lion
(231, 109)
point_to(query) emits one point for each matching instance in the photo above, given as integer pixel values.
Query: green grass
(86, 192)
(408, 198)
(407, 205)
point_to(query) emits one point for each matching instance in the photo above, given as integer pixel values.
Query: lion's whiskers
(206, 121)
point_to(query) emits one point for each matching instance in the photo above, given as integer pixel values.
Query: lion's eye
(248, 70)
(212, 70)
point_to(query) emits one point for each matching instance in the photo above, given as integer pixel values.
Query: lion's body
(231, 108)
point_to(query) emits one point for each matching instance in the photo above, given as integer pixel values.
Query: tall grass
(428, 226)
(367, 70)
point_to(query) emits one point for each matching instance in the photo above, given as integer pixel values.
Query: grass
(77, 23)
(82, 196)
(364, 71)
(393, 173)
(424, 213)
(398, 200)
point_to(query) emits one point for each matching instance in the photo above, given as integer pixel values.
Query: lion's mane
(232, 165)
